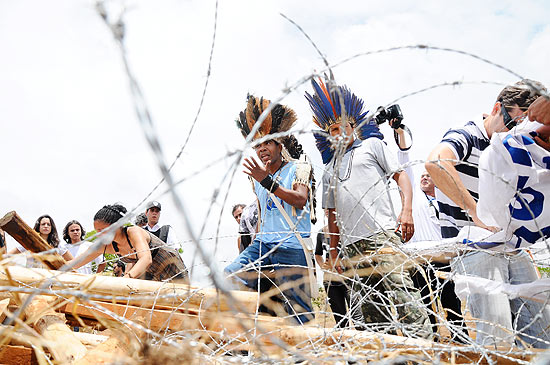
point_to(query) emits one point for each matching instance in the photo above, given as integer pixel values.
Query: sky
(71, 141)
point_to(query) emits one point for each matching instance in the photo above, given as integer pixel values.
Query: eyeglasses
(510, 122)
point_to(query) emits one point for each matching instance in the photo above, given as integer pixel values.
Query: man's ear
(496, 108)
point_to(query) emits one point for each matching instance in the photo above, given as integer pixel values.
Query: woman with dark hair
(151, 258)
(45, 226)
(73, 234)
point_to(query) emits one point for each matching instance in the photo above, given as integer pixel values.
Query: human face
(45, 226)
(153, 216)
(269, 151)
(426, 183)
(100, 227)
(337, 129)
(496, 120)
(75, 233)
(237, 214)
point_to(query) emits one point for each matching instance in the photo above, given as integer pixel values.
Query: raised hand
(255, 170)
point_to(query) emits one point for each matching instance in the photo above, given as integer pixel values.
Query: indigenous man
(361, 219)
(282, 187)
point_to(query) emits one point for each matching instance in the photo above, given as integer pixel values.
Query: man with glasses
(453, 166)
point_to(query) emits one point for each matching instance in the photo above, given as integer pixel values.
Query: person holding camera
(360, 213)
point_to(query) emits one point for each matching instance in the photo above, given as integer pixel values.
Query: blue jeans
(501, 319)
(290, 267)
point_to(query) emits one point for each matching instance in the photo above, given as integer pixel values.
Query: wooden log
(21, 337)
(146, 292)
(160, 319)
(17, 355)
(113, 350)
(30, 239)
(61, 341)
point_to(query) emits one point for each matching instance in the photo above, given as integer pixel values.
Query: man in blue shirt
(282, 187)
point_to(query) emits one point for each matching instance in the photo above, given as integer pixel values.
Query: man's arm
(405, 217)
(540, 110)
(334, 239)
(297, 196)
(445, 177)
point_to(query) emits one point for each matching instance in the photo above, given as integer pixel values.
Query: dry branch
(60, 339)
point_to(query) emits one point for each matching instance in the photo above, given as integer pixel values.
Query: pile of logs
(127, 320)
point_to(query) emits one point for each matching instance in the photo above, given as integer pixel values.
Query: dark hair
(293, 147)
(110, 213)
(66, 231)
(295, 150)
(121, 264)
(236, 206)
(141, 219)
(53, 238)
(523, 93)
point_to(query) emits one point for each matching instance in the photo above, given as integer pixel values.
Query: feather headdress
(280, 119)
(327, 110)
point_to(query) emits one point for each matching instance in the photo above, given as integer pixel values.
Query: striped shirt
(467, 143)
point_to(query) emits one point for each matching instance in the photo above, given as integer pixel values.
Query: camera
(386, 114)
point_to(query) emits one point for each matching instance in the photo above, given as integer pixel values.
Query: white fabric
(359, 192)
(78, 249)
(249, 219)
(426, 223)
(514, 187)
(32, 263)
(538, 290)
(171, 239)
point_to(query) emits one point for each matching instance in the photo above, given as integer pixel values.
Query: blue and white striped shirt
(467, 143)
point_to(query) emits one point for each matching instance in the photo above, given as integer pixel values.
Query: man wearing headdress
(282, 186)
(361, 218)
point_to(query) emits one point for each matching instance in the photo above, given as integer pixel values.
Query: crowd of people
(147, 252)
(369, 287)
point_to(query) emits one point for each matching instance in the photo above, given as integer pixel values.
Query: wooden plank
(62, 343)
(146, 292)
(30, 239)
(4, 303)
(17, 355)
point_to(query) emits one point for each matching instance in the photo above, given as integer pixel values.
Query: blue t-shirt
(274, 227)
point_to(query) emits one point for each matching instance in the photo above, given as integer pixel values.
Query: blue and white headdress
(327, 110)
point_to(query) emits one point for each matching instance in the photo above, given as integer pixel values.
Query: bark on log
(150, 292)
(17, 355)
(30, 239)
(60, 339)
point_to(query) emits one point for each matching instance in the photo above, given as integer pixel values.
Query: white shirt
(426, 223)
(360, 192)
(78, 249)
(171, 239)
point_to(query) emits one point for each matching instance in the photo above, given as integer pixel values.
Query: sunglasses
(510, 122)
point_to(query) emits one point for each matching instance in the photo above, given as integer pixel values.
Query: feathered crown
(327, 110)
(281, 118)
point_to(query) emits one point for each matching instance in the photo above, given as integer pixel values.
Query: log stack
(156, 322)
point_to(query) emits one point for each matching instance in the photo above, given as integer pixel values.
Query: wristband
(269, 184)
